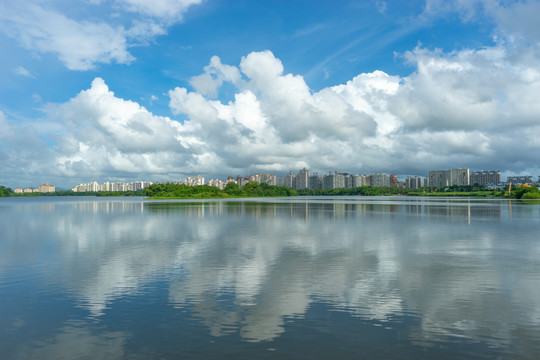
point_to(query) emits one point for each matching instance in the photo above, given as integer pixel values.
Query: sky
(125, 90)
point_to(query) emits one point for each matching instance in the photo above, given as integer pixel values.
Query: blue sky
(130, 89)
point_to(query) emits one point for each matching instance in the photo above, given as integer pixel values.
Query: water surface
(313, 278)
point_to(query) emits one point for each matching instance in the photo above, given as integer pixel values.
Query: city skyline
(481, 177)
(305, 179)
(121, 91)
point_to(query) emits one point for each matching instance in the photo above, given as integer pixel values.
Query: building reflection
(461, 212)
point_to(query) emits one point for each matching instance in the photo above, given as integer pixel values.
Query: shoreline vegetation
(232, 190)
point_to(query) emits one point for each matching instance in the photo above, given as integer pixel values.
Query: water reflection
(76, 340)
(454, 268)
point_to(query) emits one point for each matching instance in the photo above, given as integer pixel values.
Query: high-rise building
(302, 179)
(339, 180)
(329, 181)
(269, 179)
(93, 186)
(442, 178)
(194, 181)
(379, 179)
(414, 182)
(315, 181)
(289, 180)
(216, 183)
(394, 182)
(360, 180)
(239, 180)
(485, 177)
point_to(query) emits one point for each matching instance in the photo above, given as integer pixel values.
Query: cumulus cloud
(472, 108)
(214, 74)
(454, 110)
(106, 133)
(274, 115)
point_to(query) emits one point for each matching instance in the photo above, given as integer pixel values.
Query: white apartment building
(194, 181)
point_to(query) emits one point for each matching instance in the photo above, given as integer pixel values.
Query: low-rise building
(45, 188)
(526, 179)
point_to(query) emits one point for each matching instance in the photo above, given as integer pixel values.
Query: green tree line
(5, 191)
(182, 191)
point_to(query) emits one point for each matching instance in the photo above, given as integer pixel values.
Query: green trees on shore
(5, 192)
(232, 190)
(181, 191)
(525, 192)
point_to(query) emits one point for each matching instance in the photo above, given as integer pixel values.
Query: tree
(5, 192)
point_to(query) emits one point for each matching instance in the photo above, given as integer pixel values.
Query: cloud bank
(473, 108)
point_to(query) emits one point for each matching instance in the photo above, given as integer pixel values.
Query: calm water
(311, 278)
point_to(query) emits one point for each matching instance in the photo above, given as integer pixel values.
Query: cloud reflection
(250, 267)
(76, 340)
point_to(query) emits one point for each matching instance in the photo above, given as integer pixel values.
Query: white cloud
(381, 6)
(79, 45)
(19, 70)
(108, 134)
(164, 9)
(214, 74)
(453, 111)
(515, 20)
(82, 44)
